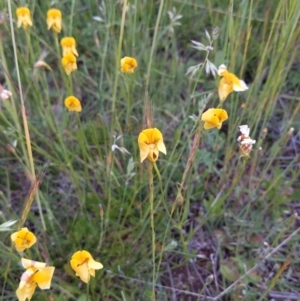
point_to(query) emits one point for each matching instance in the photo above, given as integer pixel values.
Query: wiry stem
(151, 197)
(25, 123)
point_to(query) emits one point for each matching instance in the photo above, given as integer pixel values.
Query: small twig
(256, 266)
(171, 281)
(213, 259)
(284, 295)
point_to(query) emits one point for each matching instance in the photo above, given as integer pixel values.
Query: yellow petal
(156, 135)
(43, 277)
(26, 277)
(224, 89)
(92, 272)
(153, 155)
(208, 125)
(26, 292)
(74, 51)
(208, 115)
(222, 114)
(90, 260)
(161, 147)
(76, 260)
(83, 272)
(92, 264)
(19, 24)
(144, 151)
(26, 263)
(240, 85)
(143, 137)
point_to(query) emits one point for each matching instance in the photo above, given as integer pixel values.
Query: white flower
(244, 129)
(4, 94)
(244, 138)
(248, 141)
(245, 142)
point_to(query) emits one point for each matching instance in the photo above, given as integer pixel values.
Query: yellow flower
(36, 274)
(229, 83)
(84, 265)
(128, 64)
(23, 239)
(73, 104)
(54, 19)
(213, 118)
(69, 63)
(68, 45)
(151, 143)
(23, 15)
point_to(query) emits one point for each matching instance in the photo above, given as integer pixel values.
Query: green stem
(87, 291)
(113, 108)
(101, 228)
(114, 98)
(72, 14)
(162, 192)
(154, 43)
(151, 197)
(25, 123)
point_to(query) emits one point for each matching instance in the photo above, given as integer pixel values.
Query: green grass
(226, 208)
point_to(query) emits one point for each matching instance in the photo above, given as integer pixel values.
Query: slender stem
(13, 110)
(118, 61)
(25, 123)
(111, 155)
(151, 197)
(162, 192)
(87, 291)
(154, 43)
(101, 228)
(72, 15)
(170, 217)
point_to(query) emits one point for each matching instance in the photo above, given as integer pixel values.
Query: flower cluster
(69, 60)
(39, 274)
(68, 44)
(150, 142)
(54, 18)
